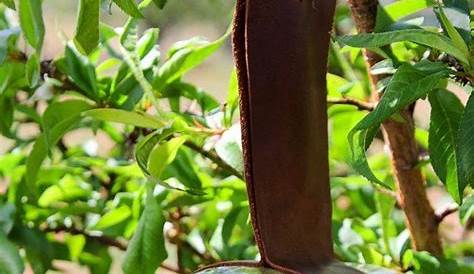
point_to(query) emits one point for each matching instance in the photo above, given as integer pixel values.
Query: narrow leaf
(80, 71)
(113, 217)
(146, 249)
(452, 32)
(163, 154)
(10, 260)
(67, 189)
(87, 29)
(129, 7)
(9, 3)
(408, 84)
(465, 148)
(125, 117)
(446, 115)
(57, 120)
(31, 22)
(185, 59)
(32, 71)
(420, 36)
(466, 211)
(160, 3)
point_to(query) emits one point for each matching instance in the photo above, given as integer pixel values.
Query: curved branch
(214, 158)
(361, 105)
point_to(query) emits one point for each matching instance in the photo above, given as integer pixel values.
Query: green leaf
(466, 210)
(179, 89)
(230, 222)
(458, 14)
(97, 257)
(229, 148)
(32, 72)
(113, 217)
(146, 145)
(163, 154)
(465, 147)
(87, 28)
(39, 251)
(185, 59)
(31, 22)
(146, 249)
(7, 212)
(58, 118)
(67, 189)
(425, 263)
(160, 3)
(391, 13)
(80, 71)
(452, 32)
(6, 122)
(129, 41)
(446, 113)
(184, 169)
(8, 38)
(408, 84)
(147, 42)
(125, 117)
(419, 36)
(75, 244)
(10, 260)
(129, 37)
(9, 3)
(385, 205)
(232, 99)
(129, 7)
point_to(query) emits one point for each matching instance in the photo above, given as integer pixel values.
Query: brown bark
(420, 217)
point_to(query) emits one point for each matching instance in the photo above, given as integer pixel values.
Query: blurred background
(179, 20)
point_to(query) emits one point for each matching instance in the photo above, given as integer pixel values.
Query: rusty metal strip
(280, 48)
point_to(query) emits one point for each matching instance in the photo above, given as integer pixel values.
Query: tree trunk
(420, 217)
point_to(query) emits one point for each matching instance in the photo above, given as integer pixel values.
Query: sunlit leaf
(66, 190)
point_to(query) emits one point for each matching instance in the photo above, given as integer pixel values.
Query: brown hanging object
(281, 48)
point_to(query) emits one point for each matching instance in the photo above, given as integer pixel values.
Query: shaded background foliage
(126, 157)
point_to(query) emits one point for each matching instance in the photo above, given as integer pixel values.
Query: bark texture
(420, 217)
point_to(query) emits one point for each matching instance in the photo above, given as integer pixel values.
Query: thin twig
(361, 105)
(214, 158)
(99, 238)
(441, 216)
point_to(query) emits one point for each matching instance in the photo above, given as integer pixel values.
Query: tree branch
(214, 158)
(410, 184)
(441, 216)
(100, 239)
(361, 105)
